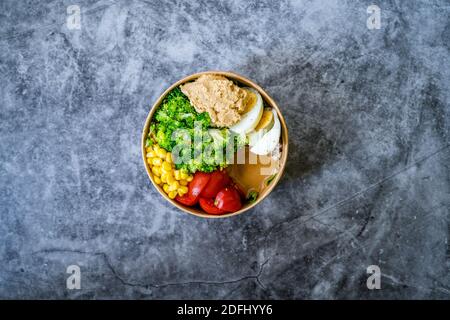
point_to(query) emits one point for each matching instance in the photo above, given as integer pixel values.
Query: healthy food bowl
(214, 144)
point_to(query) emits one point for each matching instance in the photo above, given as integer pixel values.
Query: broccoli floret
(176, 112)
(204, 120)
(163, 139)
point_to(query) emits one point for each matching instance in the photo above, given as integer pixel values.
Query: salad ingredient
(215, 151)
(186, 199)
(270, 140)
(148, 142)
(218, 180)
(195, 188)
(209, 207)
(219, 97)
(238, 189)
(176, 113)
(264, 125)
(255, 136)
(252, 196)
(270, 179)
(164, 173)
(218, 135)
(251, 118)
(228, 200)
(199, 183)
(252, 175)
(223, 138)
(266, 121)
(215, 192)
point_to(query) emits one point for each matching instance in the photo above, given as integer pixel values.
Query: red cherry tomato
(228, 199)
(199, 182)
(239, 189)
(196, 187)
(219, 180)
(186, 199)
(209, 207)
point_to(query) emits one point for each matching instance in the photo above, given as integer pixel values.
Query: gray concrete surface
(367, 180)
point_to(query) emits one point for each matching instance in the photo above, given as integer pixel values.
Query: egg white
(250, 120)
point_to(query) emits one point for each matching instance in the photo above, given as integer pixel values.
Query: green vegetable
(252, 196)
(183, 131)
(150, 136)
(175, 113)
(268, 181)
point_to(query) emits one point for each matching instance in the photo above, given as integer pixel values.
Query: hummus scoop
(220, 97)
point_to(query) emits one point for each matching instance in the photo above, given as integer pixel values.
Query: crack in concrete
(125, 282)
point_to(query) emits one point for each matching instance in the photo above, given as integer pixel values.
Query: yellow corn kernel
(149, 160)
(161, 153)
(183, 182)
(148, 149)
(166, 188)
(170, 179)
(164, 177)
(169, 157)
(182, 189)
(156, 171)
(157, 180)
(176, 174)
(183, 175)
(172, 194)
(168, 172)
(156, 162)
(189, 178)
(166, 166)
(150, 154)
(174, 186)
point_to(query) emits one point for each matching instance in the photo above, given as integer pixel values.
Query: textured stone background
(367, 180)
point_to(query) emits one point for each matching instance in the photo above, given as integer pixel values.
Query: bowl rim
(266, 97)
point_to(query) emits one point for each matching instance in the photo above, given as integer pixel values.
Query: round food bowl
(242, 81)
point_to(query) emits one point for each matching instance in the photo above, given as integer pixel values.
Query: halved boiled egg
(255, 136)
(264, 125)
(251, 117)
(268, 142)
(266, 121)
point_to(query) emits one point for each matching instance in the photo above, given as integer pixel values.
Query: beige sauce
(254, 172)
(220, 97)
